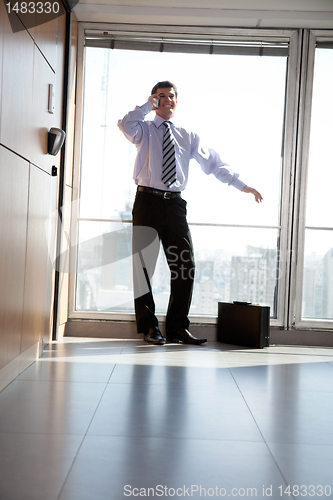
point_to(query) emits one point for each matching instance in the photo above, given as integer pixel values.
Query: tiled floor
(108, 420)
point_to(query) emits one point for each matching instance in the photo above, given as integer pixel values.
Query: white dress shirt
(148, 138)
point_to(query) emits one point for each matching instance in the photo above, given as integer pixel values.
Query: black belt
(167, 195)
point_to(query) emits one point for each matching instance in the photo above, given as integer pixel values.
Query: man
(161, 173)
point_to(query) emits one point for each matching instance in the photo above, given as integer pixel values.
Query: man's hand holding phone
(154, 100)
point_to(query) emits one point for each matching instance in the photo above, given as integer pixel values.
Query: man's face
(168, 103)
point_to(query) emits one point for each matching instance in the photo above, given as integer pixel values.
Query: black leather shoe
(154, 336)
(183, 335)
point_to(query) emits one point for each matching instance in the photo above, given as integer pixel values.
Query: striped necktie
(169, 175)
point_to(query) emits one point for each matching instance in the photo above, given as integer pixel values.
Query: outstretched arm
(255, 193)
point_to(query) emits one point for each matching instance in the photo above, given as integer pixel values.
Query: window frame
(311, 37)
(292, 189)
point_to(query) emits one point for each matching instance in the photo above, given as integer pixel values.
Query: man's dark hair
(164, 85)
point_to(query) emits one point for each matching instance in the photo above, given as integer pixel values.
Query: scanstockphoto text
(97, 256)
(178, 262)
(198, 491)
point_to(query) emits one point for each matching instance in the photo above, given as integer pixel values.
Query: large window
(236, 104)
(263, 100)
(318, 249)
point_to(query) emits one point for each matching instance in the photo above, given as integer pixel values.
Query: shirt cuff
(238, 184)
(146, 107)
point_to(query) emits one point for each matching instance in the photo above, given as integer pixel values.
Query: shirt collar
(158, 120)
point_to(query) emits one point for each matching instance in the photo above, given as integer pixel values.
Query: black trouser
(157, 219)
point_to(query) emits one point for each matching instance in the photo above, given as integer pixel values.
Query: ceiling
(315, 14)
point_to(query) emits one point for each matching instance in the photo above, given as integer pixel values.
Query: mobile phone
(156, 102)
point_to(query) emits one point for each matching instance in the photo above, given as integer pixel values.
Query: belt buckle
(167, 195)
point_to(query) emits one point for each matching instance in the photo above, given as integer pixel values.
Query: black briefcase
(241, 323)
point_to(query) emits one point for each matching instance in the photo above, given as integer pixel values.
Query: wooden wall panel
(65, 262)
(29, 62)
(17, 91)
(59, 83)
(45, 37)
(68, 191)
(42, 120)
(14, 181)
(37, 258)
(50, 275)
(71, 104)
